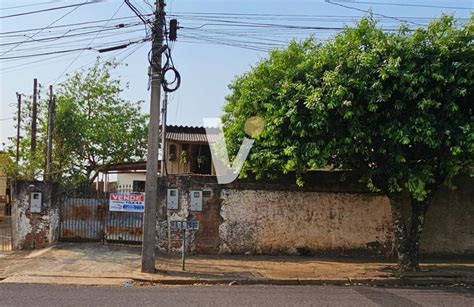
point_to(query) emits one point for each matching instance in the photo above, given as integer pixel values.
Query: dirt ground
(123, 262)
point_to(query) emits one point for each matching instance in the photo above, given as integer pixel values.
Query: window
(172, 152)
(138, 186)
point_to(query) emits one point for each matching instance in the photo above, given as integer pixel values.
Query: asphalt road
(49, 295)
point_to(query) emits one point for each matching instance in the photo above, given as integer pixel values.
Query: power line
(411, 5)
(52, 58)
(77, 42)
(54, 38)
(25, 5)
(119, 52)
(88, 45)
(50, 9)
(59, 52)
(12, 48)
(67, 25)
(369, 12)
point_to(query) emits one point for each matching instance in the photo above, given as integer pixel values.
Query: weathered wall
(271, 218)
(34, 230)
(289, 222)
(449, 226)
(329, 215)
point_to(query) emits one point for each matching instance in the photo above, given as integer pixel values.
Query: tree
(94, 127)
(395, 107)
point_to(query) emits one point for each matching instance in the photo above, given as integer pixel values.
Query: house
(186, 152)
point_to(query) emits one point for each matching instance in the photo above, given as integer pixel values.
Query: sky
(220, 39)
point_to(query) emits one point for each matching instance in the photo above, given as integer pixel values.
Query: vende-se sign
(127, 202)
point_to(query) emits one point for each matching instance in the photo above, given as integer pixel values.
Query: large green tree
(396, 107)
(94, 127)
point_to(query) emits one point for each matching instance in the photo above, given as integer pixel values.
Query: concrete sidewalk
(97, 264)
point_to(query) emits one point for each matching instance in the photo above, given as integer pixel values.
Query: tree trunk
(400, 232)
(419, 209)
(407, 239)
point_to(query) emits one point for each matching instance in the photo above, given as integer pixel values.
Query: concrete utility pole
(34, 111)
(151, 186)
(49, 148)
(18, 128)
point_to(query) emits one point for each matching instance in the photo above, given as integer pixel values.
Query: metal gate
(5, 233)
(85, 217)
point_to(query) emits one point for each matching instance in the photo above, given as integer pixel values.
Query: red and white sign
(127, 202)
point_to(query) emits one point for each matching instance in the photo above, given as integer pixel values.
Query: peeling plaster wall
(279, 218)
(34, 230)
(331, 214)
(284, 222)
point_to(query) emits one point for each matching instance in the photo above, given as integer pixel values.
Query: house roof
(189, 134)
(181, 134)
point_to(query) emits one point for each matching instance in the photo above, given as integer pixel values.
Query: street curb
(388, 281)
(314, 282)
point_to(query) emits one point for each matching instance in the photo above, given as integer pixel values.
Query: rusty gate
(85, 217)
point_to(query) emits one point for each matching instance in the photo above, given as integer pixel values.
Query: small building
(186, 151)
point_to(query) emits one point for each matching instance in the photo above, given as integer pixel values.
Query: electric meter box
(172, 199)
(196, 200)
(36, 199)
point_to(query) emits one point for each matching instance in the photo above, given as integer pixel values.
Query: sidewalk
(96, 264)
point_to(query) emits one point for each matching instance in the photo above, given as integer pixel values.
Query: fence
(85, 215)
(5, 233)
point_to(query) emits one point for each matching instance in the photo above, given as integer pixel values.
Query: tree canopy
(396, 107)
(94, 127)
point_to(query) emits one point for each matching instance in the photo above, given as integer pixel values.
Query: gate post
(35, 215)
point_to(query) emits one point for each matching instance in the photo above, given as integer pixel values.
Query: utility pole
(49, 145)
(18, 128)
(163, 136)
(34, 116)
(151, 186)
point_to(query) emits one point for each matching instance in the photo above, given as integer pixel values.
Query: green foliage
(94, 127)
(395, 106)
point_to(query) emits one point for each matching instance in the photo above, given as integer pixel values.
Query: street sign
(184, 225)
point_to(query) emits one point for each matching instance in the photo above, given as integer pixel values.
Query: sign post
(184, 226)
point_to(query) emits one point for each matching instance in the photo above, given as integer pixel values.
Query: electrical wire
(25, 5)
(74, 43)
(369, 12)
(54, 38)
(57, 52)
(88, 45)
(68, 25)
(52, 23)
(50, 9)
(410, 5)
(168, 86)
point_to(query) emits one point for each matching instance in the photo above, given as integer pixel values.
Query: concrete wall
(34, 230)
(450, 221)
(286, 222)
(330, 215)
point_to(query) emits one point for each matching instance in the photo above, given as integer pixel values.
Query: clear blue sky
(206, 69)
